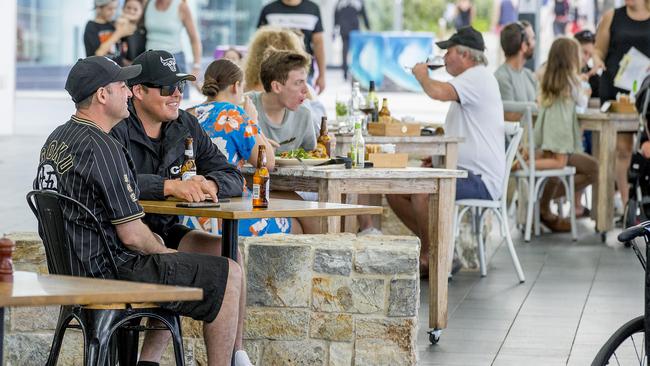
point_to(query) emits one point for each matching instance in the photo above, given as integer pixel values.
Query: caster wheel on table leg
(434, 335)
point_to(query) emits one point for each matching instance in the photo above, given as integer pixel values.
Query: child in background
(557, 134)
(102, 35)
(134, 44)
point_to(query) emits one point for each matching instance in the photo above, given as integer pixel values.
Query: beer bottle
(324, 140)
(188, 170)
(358, 148)
(261, 181)
(372, 101)
(384, 113)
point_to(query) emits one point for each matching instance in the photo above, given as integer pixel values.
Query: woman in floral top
(234, 130)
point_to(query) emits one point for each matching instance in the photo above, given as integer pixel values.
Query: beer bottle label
(256, 191)
(189, 153)
(188, 174)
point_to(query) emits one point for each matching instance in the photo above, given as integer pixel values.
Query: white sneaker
(618, 204)
(370, 231)
(241, 358)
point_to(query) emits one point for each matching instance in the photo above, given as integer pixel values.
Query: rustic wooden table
(242, 208)
(440, 184)
(31, 289)
(605, 126)
(416, 146)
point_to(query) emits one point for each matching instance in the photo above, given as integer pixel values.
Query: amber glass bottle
(261, 181)
(324, 140)
(188, 170)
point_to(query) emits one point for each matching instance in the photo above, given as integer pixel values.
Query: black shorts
(173, 236)
(183, 269)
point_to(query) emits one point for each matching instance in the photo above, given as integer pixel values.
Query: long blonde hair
(265, 38)
(562, 70)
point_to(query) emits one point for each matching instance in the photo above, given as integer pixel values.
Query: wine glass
(433, 63)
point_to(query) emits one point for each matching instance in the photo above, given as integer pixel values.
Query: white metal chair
(480, 207)
(537, 178)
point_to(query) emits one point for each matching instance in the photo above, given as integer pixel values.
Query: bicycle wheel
(625, 346)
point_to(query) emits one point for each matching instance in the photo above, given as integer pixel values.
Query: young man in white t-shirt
(476, 114)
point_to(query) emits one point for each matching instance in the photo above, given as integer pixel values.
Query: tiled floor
(575, 296)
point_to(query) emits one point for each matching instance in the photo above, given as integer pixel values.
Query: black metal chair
(111, 332)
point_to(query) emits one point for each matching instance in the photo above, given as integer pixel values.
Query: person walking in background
(587, 40)
(561, 17)
(164, 21)
(465, 14)
(346, 20)
(618, 31)
(303, 15)
(132, 46)
(101, 36)
(504, 12)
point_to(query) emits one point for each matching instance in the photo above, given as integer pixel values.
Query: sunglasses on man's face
(585, 36)
(167, 90)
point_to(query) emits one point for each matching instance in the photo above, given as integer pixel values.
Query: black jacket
(154, 167)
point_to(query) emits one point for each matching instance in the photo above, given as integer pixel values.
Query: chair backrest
(48, 208)
(526, 109)
(514, 132)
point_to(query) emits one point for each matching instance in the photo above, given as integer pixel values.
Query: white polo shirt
(478, 117)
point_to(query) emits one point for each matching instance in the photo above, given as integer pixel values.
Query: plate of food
(310, 158)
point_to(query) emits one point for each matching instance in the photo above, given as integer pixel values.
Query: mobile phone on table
(198, 204)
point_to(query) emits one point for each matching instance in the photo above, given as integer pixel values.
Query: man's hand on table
(193, 190)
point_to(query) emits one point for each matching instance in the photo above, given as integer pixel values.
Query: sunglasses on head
(167, 90)
(585, 36)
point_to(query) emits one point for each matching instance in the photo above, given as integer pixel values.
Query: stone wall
(312, 300)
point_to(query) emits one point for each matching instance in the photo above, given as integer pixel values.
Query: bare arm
(319, 54)
(136, 236)
(435, 89)
(195, 41)
(602, 39)
(123, 28)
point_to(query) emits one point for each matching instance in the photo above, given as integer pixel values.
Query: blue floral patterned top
(234, 133)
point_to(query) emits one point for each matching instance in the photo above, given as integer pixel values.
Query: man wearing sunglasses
(154, 134)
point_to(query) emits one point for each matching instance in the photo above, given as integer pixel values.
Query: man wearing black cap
(82, 161)
(476, 114)
(154, 134)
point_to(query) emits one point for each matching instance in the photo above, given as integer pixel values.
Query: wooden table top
(400, 139)
(596, 114)
(241, 208)
(334, 172)
(31, 289)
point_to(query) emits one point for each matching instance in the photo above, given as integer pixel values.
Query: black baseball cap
(159, 68)
(94, 72)
(466, 36)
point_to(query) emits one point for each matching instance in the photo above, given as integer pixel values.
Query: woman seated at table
(235, 132)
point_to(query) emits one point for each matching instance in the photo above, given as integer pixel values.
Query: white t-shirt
(478, 117)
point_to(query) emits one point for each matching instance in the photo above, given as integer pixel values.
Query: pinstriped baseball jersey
(81, 161)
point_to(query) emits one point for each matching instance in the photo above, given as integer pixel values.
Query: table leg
(229, 239)
(329, 191)
(2, 333)
(451, 157)
(603, 190)
(350, 222)
(441, 209)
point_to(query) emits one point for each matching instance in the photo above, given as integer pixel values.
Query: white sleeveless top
(163, 27)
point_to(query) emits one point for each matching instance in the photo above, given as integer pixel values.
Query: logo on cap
(169, 62)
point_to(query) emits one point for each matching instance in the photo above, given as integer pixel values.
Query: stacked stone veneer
(312, 300)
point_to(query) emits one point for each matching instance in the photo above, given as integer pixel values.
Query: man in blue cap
(476, 114)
